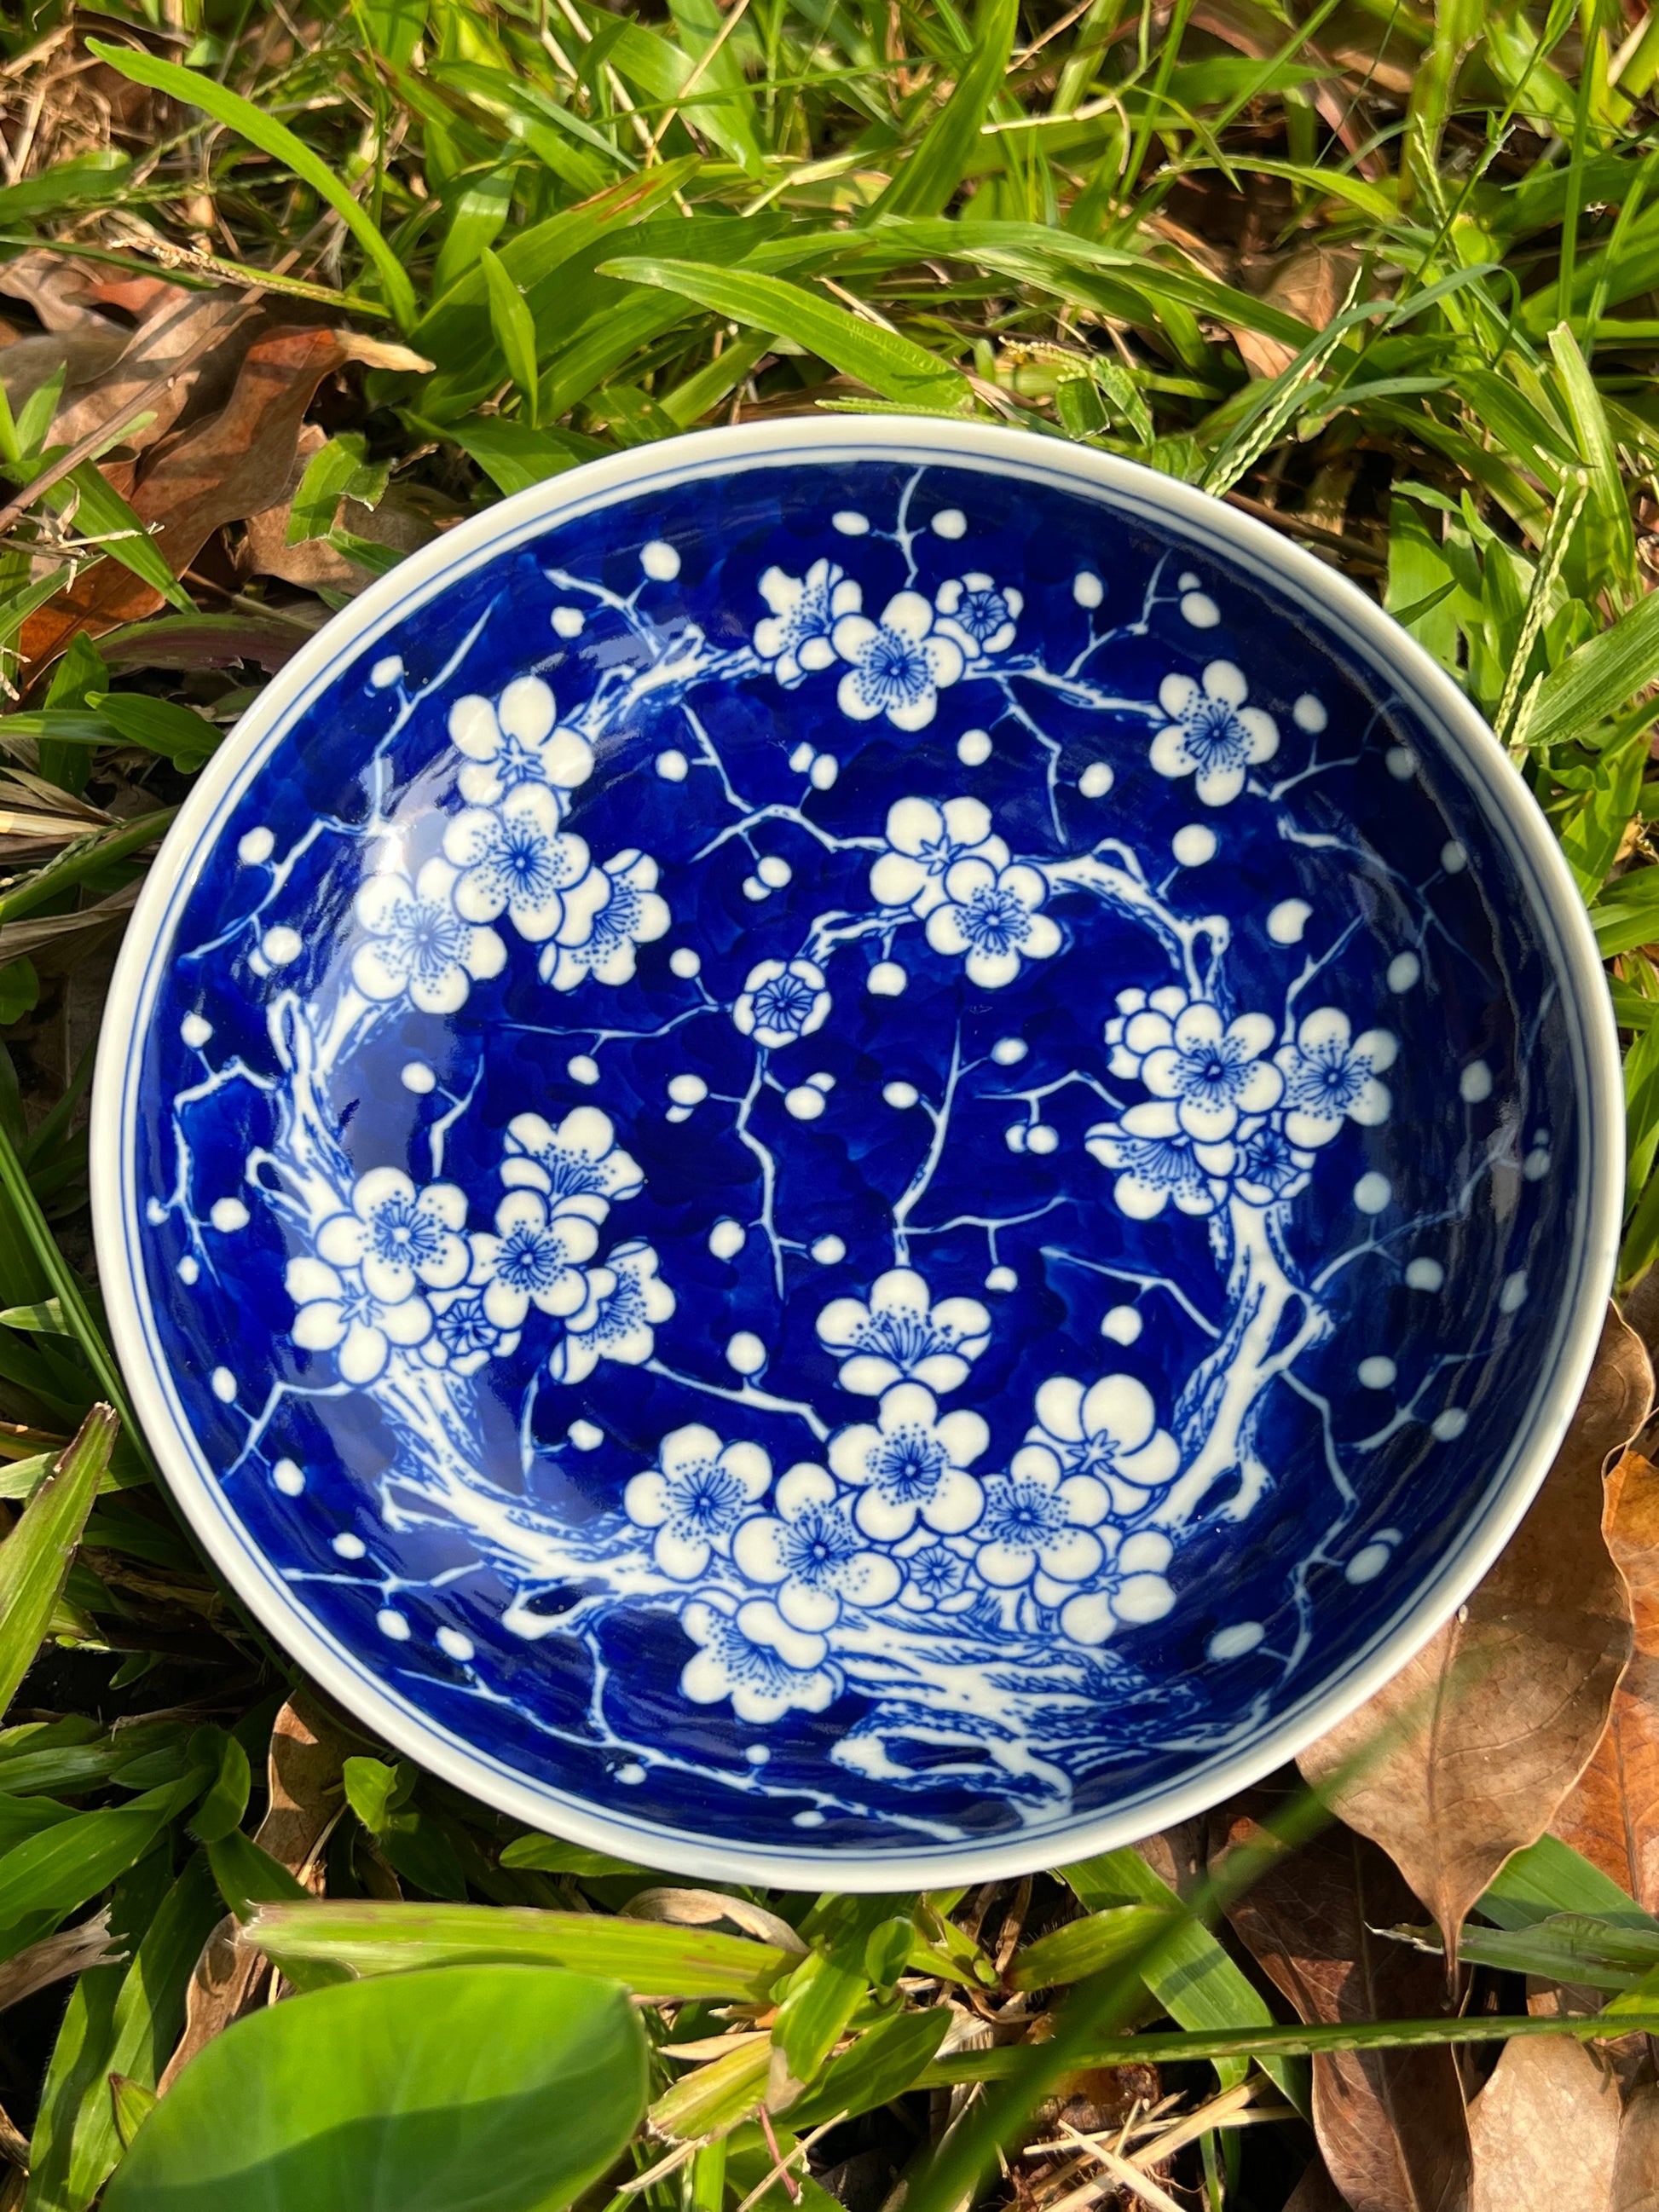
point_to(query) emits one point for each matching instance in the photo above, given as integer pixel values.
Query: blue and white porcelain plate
(857, 1152)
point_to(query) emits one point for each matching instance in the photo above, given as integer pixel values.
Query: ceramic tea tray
(856, 1152)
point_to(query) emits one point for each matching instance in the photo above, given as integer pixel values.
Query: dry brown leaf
(69, 1952)
(1612, 1815)
(1311, 283)
(1470, 1749)
(1636, 2169)
(1316, 2191)
(1545, 2130)
(178, 322)
(226, 468)
(1390, 2124)
(405, 519)
(229, 1980)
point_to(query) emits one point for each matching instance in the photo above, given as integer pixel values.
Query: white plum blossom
(794, 638)
(1210, 734)
(695, 1498)
(623, 1304)
(398, 1236)
(901, 1332)
(516, 741)
(809, 1546)
(935, 1574)
(579, 1167)
(464, 1338)
(338, 1313)
(754, 1657)
(1135, 1592)
(1157, 1161)
(514, 858)
(912, 1461)
(924, 841)
(1270, 1168)
(1212, 1071)
(1038, 1528)
(977, 613)
(897, 666)
(1106, 1433)
(782, 1000)
(993, 915)
(417, 944)
(1330, 1074)
(532, 1258)
(609, 913)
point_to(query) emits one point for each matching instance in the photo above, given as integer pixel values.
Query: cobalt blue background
(1486, 990)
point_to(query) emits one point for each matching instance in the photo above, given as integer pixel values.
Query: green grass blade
(924, 179)
(35, 1558)
(1597, 679)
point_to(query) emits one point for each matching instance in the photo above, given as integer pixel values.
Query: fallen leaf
(1467, 1755)
(1316, 2191)
(1612, 1815)
(230, 1978)
(1390, 2124)
(405, 519)
(69, 1952)
(1636, 2169)
(1311, 283)
(177, 324)
(1545, 2130)
(224, 469)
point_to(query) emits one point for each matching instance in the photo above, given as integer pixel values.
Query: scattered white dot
(1536, 1165)
(1378, 1373)
(1513, 1295)
(385, 672)
(287, 1477)
(1450, 1426)
(659, 561)
(1002, 1278)
(1424, 1275)
(454, 1645)
(774, 871)
(391, 1623)
(256, 848)
(195, 1032)
(1189, 580)
(901, 1095)
(1234, 1641)
(568, 622)
(757, 1754)
(727, 1238)
(824, 770)
(586, 1435)
(1194, 844)
(224, 1386)
(1087, 589)
(582, 1068)
(827, 1250)
(673, 766)
(677, 1114)
(811, 1818)
(633, 1774)
(1372, 1192)
(974, 748)
(850, 522)
(350, 1546)
(1475, 1084)
(1042, 1139)
(745, 1352)
(822, 1081)
(188, 1268)
(1400, 762)
(1308, 714)
(1201, 610)
(1453, 859)
(685, 962)
(753, 888)
(1403, 971)
(686, 1089)
(415, 1075)
(803, 1102)
(1008, 1052)
(229, 1214)
(886, 980)
(1097, 779)
(1288, 919)
(949, 522)
(1122, 1324)
(1365, 1566)
(155, 1213)
(1014, 1136)
(801, 759)
(281, 945)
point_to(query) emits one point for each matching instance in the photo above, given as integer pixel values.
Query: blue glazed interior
(575, 1683)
